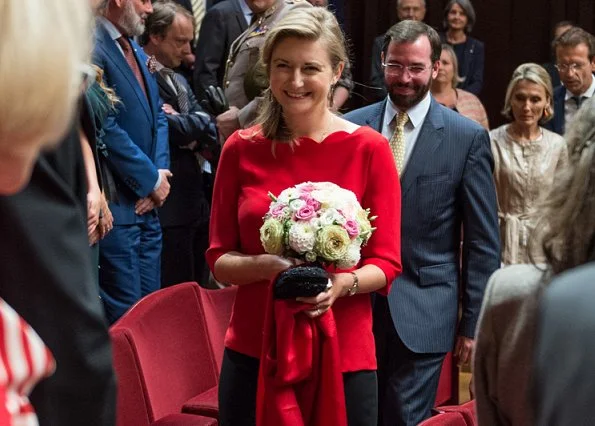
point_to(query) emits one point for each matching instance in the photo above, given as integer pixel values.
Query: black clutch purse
(301, 281)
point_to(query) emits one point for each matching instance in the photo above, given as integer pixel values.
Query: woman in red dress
(296, 139)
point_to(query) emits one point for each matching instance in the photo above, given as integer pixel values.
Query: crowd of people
(149, 159)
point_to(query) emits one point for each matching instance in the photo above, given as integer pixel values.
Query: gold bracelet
(355, 287)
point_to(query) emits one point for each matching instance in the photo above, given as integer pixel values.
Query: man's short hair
(409, 31)
(573, 37)
(399, 2)
(159, 22)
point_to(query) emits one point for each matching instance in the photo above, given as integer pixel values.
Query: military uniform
(242, 77)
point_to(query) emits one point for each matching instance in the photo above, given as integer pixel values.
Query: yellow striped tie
(397, 140)
(198, 11)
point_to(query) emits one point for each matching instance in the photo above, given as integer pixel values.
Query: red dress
(361, 162)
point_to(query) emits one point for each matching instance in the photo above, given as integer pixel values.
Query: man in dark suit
(575, 61)
(445, 164)
(223, 23)
(136, 139)
(185, 216)
(406, 9)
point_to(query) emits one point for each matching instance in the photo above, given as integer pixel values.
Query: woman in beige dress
(444, 89)
(526, 157)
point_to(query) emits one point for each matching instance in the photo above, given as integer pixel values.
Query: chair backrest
(467, 410)
(445, 419)
(168, 335)
(131, 403)
(448, 385)
(217, 306)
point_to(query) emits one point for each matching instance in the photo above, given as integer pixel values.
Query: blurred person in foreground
(506, 335)
(444, 89)
(46, 267)
(298, 139)
(526, 159)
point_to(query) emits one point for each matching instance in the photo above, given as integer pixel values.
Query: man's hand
(161, 193)
(227, 123)
(464, 350)
(168, 109)
(144, 205)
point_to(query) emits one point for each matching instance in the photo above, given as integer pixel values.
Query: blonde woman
(299, 139)
(444, 89)
(45, 270)
(526, 158)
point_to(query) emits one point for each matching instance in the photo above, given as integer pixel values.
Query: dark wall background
(514, 32)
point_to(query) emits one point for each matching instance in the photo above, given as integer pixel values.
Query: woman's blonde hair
(42, 46)
(456, 79)
(567, 225)
(535, 74)
(314, 24)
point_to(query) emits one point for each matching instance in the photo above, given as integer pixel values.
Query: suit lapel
(559, 111)
(376, 118)
(168, 95)
(240, 16)
(428, 140)
(113, 54)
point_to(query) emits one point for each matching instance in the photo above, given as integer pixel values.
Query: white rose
(296, 205)
(330, 217)
(286, 195)
(302, 237)
(351, 258)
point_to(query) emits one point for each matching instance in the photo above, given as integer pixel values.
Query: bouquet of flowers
(317, 222)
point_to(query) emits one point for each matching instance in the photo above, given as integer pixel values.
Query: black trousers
(407, 381)
(237, 393)
(183, 254)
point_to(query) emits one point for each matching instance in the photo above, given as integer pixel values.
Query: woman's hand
(322, 302)
(106, 222)
(93, 206)
(273, 265)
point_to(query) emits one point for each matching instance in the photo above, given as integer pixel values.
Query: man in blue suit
(575, 61)
(136, 138)
(447, 186)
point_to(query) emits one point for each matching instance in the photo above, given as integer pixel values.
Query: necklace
(328, 130)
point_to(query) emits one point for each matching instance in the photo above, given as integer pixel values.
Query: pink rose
(312, 203)
(305, 213)
(306, 187)
(351, 228)
(278, 211)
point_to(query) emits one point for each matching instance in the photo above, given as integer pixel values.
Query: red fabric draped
(300, 381)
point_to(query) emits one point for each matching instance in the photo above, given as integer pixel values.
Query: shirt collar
(245, 8)
(111, 29)
(588, 93)
(417, 113)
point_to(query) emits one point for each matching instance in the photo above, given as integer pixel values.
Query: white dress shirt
(570, 107)
(417, 115)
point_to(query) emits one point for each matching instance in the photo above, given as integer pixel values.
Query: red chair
(467, 410)
(132, 407)
(448, 386)
(445, 419)
(172, 351)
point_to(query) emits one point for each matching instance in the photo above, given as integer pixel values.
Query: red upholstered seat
(167, 357)
(467, 410)
(448, 386)
(185, 420)
(445, 419)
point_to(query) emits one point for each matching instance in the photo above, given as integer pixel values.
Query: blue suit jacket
(556, 124)
(446, 184)
(136, 134)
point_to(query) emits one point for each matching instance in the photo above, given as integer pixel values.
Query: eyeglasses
(569, 67)
(399, 69)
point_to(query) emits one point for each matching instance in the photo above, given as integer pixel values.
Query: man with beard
(136, 139)
(445, 165)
